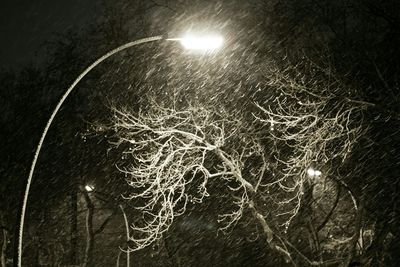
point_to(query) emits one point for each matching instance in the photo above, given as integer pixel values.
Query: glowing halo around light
(313, 173)
(202, 42)
(89, 188)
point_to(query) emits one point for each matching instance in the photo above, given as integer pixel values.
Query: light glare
(313, 173)
(205, 42)
(89, 188)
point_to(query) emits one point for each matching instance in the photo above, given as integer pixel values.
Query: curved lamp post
(207, 43)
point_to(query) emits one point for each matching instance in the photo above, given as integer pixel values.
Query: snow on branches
(172, 155)
(305, 130)
(171, 151)
(262, 155)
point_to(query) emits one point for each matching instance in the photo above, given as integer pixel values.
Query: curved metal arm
(80, 77)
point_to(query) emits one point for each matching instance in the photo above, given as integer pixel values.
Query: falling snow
(276, 146)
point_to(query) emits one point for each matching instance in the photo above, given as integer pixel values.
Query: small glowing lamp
(313, 173)
(89, 188)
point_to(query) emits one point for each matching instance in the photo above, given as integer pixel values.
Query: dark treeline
(299, 84)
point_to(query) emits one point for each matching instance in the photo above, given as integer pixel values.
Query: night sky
(26, 25)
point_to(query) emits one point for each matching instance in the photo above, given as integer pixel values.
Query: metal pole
(49, 122)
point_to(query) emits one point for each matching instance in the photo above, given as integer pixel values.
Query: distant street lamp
(205, 43)
(89, 188)
(313, 173)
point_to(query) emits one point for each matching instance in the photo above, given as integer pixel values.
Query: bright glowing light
(89, 188)
(203, 42)
(313, 173)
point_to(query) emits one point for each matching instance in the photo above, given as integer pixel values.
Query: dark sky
(26, 24)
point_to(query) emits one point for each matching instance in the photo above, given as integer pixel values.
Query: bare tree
(314, 126)
(172, 157)
(173, 150)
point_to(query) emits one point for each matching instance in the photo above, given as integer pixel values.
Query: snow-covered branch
(172, 156)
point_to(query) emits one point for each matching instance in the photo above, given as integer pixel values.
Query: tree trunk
(353, 242)
(88, 258)
(73, 253)
(269, 234)
(306, 216)
(374, 250)
(127, 236)
(119, 257)
(4, 248)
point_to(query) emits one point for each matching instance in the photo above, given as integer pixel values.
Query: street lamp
(89, 188)
(202, 42)
(205, 43)
(313, 173)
